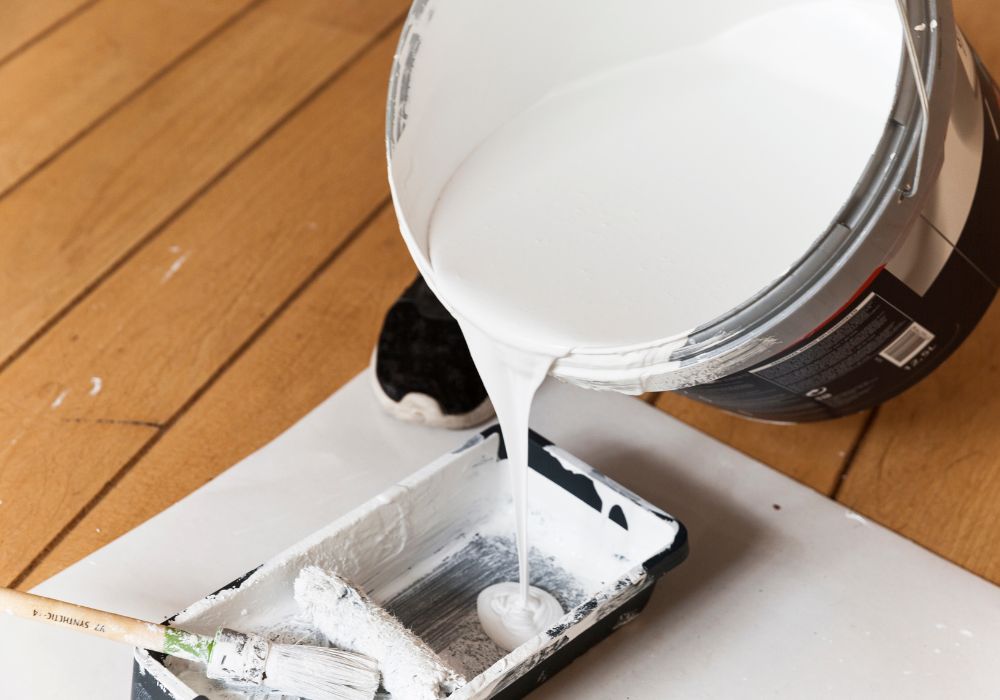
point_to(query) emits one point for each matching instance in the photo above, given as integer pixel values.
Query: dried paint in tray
(425, 548)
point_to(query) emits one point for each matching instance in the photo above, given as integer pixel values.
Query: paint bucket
(902, 274)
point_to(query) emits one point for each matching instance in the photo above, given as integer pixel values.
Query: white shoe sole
(422, 409)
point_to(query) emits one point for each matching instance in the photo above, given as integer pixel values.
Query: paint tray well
(424, 549)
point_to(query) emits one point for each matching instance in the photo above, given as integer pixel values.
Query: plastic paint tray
(427, 546)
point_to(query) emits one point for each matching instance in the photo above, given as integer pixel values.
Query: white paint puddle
(58, 400)
(174, 268)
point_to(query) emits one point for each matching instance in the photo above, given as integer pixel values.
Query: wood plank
(930, 466)
(813, 453)
(326, 336)
(22, 21)
(124, 179)
(61, 85)
(980, 21)
(161, 328)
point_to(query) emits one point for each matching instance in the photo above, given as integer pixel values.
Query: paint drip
(509, 613)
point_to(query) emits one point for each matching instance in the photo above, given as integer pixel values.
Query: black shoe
(422, 369)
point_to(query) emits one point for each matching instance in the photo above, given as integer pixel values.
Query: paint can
(903, 273)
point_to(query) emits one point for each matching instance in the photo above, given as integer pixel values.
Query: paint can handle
(910, 190)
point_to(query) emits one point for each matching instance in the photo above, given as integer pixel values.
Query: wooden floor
(197, 247)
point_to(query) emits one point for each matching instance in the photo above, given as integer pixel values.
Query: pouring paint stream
(511, 614)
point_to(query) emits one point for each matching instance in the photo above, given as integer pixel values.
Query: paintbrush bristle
(321, 673)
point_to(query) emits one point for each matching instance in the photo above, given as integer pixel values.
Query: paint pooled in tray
(441, 608)
(417, 557)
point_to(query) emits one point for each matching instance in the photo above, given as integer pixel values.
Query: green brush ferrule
(186, 645)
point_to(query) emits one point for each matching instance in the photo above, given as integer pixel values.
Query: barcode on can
(909, 343)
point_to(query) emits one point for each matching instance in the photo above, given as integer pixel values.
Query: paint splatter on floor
(173, 269)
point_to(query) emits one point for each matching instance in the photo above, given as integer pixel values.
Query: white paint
(58, 401)
(511, 614)
(630, 205)
(175, 266)
(851, 515)
(700, 147)
(95, 386)
(633, 213)
(512, 377)
(510, 618)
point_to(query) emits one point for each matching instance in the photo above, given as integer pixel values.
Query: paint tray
(425, 548)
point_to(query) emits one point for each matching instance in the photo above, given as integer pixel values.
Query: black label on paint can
(888, 336)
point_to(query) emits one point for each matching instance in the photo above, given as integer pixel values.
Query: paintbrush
(313, 673)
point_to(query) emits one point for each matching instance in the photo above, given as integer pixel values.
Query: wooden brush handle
(95, 622)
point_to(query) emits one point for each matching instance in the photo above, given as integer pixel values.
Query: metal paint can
(903, 274)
